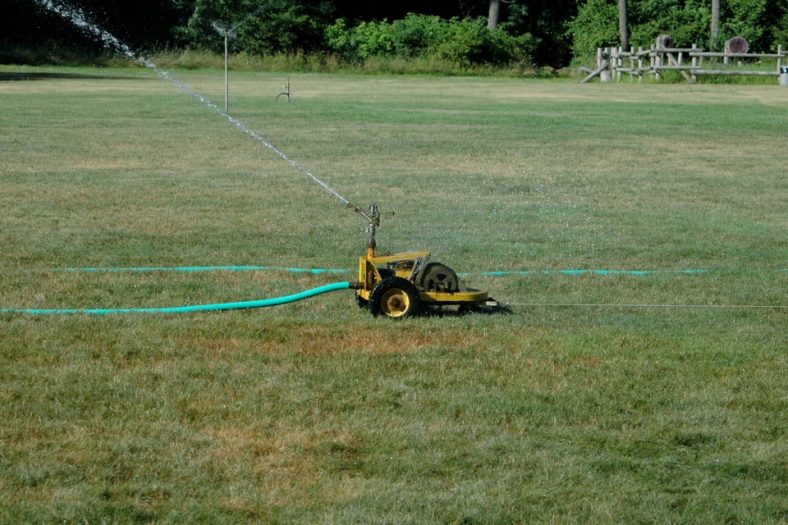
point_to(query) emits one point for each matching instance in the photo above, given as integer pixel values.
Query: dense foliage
(262, 27)
(465, 42)
(536, 31)
(762, 22)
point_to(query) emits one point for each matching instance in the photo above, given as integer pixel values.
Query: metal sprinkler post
(226, 33)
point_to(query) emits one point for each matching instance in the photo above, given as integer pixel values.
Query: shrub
(416, 35)
(464, 43)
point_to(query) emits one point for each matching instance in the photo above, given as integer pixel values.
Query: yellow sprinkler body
(403, 284)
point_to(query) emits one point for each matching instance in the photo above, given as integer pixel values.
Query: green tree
(687, 21)
(779, 31)
(595, 26)
(547, 21)
(264, 26)
(745, 18)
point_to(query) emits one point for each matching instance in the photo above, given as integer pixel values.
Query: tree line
(464, 32)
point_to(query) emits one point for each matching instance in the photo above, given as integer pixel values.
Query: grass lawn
(317, 412)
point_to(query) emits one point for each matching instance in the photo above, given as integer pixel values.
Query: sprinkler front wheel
(394, 297)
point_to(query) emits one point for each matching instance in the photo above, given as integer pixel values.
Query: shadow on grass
(12, 76)
(433, 310)
(450, 311)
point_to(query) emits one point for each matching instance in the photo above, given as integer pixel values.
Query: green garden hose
(242, 305)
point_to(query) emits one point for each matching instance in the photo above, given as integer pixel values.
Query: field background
(318, 413)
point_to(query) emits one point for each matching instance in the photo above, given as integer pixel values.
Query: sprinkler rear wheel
(395, 298)
(437, 277)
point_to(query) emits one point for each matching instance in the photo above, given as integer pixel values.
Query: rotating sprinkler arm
(372, 216)
(356, 208)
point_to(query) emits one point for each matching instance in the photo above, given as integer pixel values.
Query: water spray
(78, 18)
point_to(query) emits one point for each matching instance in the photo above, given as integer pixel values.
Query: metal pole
(226, 84)
(226, 33)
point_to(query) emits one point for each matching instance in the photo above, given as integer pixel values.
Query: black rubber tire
(395, 298)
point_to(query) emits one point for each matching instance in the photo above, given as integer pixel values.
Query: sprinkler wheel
(394, 297)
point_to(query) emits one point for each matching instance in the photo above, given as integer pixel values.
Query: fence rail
(612, 63)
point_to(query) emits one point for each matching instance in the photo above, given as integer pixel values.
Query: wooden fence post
(640, 64)
(605, 74)
(694, 62)
(655, 63)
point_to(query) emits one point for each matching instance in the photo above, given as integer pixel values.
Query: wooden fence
(691, 62)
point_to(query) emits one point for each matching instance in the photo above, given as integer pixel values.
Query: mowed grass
(318, 413)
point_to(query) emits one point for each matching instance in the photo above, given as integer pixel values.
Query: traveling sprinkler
(404, 284)
(227, 33)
